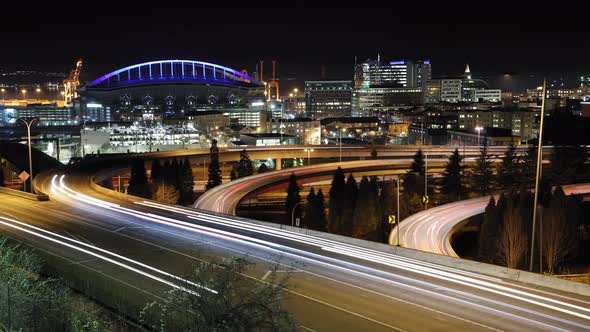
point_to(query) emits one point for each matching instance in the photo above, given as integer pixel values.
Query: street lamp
(340, 140)
(309, 151)
(24, 92)
(28, 124)
(478, 129)
(293, 213)
(3, 92)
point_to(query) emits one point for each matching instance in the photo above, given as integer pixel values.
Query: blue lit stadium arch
(173, 71)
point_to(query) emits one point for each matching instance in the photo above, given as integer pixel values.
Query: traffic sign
(391, 219)
(425, 199)
(23, 176)
(297, 220)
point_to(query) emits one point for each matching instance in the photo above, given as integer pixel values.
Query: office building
(371, 101)
(324, 99)
(460, 89)
(47, 115)
(374, 73)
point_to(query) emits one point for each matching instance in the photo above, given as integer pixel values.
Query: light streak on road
(29, 229)
(455, 276)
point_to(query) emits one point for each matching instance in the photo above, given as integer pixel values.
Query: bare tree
(512, 240)
(557, 238)
(166, 193)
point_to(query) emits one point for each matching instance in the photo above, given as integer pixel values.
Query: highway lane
(344, 283)
(432, 230)
(226, 198)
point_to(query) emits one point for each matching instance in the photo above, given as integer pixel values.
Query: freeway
(226, 198)
(432, 230)
(335, 285)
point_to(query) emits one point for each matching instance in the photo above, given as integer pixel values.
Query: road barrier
(23, 194)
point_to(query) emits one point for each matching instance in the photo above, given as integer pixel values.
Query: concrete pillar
(278, 164)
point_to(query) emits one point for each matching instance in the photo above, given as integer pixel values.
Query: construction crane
(273, 84)
(72, 82)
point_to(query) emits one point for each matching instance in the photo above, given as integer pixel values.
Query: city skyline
(492, 44)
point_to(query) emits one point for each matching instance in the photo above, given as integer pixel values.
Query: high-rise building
(374, 73)
(370, 101)
(460, 89)
(324, 99)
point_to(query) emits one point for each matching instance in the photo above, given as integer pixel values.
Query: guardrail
(22, 194)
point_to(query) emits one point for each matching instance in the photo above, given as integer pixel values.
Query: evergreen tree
(527, 169)
(234, 173)
(167, 171)
(1, 176)
(186, 182)
(245, 167)
(452, 181)
(414, 177)
(337, 200)
(138, 183)
(156, 171)
(508, 169)
(175, 174)
(263, 168)
(293, 198)
(320, 223)
(482, 172)
(374, 153)
(388, 204)
(166, 193)
(310, 209)
(214, 170)
(350, 197)
(568, 165)
(488, 235)
(366, 217)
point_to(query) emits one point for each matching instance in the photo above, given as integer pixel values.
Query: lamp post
(24, 92)
(340, 141)
(29, 124)
(478, 129)
(398, 220)
(309, 151)
(293, 213)
(538, 173)
(3, 92)
(426, 180)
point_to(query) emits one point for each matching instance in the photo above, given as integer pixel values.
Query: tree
(263, 168)
(527, 169)
(337, 198)
(156, 173)
(245, 167)
(315, 213)
(568, 165)
(186, 182)
(214, 170)
(508, 169)
(234, 174)
(293, 197)
(558, 237)
(482, 172)
(320, 224)
(512, 240)
(367, 217)
(348, 206)
(374, 153)
(388, 204)
(488, 235)
(226, 300)
(452, 184)
(414, 177)
(166, 193)
(1, 176)
(138, 183)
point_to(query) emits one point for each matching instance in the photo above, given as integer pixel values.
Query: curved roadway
(432, 230)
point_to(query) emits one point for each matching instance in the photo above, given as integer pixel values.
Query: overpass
(339, 283)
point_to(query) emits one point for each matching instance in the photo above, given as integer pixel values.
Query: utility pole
(538, 173)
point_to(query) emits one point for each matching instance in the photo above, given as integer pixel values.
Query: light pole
(478, 129)
(28, 124)
(309, 151)
(537, 173)
(425, 181)
(24, 92)
(293, 213)
(340, 140)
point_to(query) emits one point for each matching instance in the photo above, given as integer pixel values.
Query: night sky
(527, 44)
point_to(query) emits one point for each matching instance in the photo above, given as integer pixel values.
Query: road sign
(391, 219)
(23, 176)
(425, 199)
(297, 220)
